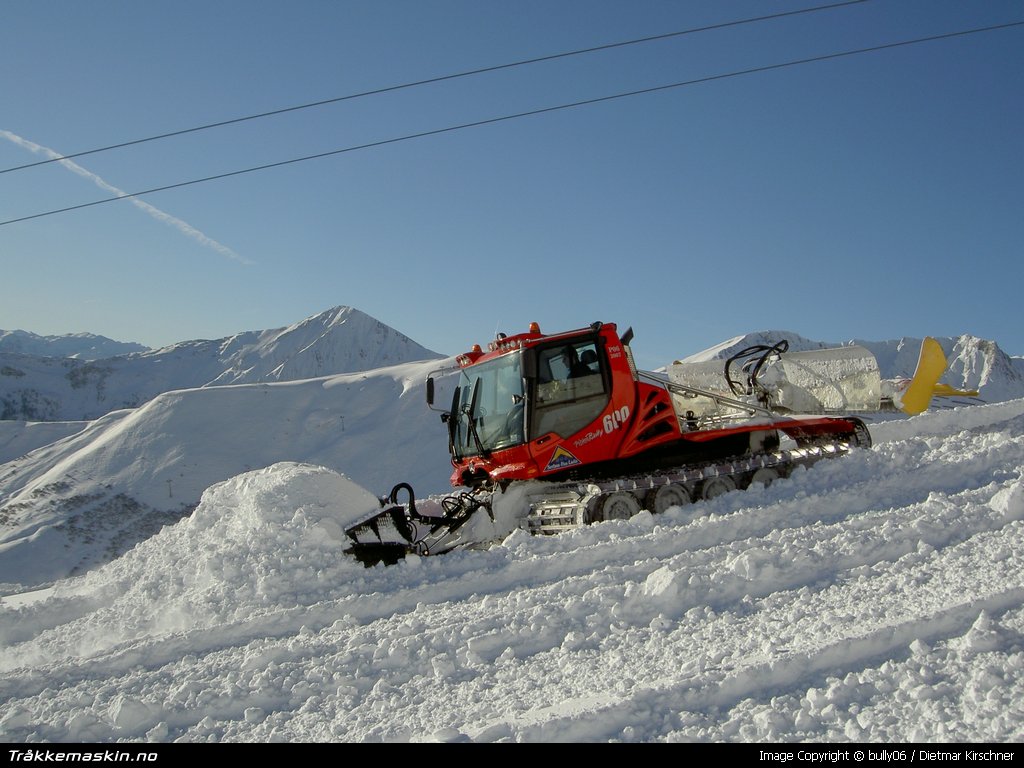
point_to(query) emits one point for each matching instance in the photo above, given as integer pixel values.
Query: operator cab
(525, 387)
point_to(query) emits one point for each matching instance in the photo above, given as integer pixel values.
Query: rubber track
(566, 506)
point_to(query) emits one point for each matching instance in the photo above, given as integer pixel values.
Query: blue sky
(871, 196)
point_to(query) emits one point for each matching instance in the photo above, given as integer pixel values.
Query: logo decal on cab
(561, 459)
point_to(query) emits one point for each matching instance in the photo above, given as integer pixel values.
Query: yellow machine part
(930, 367)
(944, 390)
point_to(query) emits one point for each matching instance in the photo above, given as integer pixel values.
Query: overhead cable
(432, 80)
(518, 115)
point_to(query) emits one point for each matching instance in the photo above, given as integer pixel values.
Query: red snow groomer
(601, 440)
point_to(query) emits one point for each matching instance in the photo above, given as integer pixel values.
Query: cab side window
(571, 391)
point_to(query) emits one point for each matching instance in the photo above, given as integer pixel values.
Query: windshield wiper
(451, 420)
(471, 415)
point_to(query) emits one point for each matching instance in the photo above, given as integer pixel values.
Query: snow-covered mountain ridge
(82, 346)
(339, 340)
(37, 384)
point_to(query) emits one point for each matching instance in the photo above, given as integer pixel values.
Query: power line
(432, 80)
(518, 115)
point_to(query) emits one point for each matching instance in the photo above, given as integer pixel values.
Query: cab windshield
(488, 407)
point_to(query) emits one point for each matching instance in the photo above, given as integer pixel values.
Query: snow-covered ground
(878, 598)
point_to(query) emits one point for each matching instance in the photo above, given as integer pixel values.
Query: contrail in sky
(183, 227)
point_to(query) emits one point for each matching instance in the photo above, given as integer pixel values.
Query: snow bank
(264, 541)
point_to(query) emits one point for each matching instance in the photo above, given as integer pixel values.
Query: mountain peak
(338, 340)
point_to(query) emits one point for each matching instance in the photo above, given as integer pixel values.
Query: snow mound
(262, 542)
(284, 497)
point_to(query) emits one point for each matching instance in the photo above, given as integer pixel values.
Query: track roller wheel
(861, 437)
(765, 476)
(671, 495)
(716, 486)
(620, 505)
